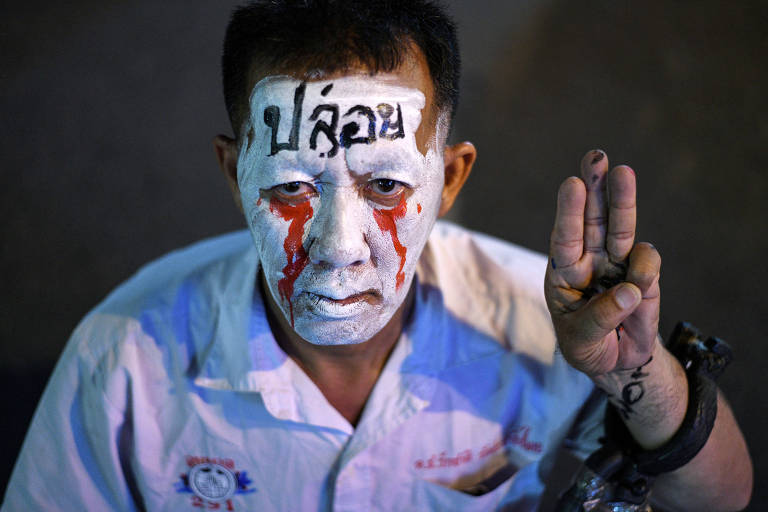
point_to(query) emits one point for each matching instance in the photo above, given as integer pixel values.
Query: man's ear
(458, 160)
(226, 154)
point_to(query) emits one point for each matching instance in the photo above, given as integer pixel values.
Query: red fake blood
(258, 203)
(418, 207)
(298, 215)
(386, 221)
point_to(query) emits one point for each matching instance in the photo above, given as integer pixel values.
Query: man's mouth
(336, 307)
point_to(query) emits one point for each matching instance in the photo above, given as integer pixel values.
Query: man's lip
(370, 296)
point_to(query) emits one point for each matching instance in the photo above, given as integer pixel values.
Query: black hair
(302, 36)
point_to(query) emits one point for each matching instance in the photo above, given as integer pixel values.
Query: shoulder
(469, 250)
(210, 262)
(494, 286)
(490, 330)
(163, 317)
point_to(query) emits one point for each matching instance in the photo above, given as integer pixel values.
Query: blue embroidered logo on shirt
(212, 482)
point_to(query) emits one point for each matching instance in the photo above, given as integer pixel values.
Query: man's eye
(294, 189)
(386, 187)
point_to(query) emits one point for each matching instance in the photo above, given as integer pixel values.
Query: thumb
(604, 313)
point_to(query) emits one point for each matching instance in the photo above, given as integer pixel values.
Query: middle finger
(594, 168)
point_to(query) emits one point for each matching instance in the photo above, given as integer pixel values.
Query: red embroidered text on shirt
(193, 461)
(443, 461)
(515, 437)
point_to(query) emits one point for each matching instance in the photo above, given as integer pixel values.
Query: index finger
(594, 167)
(566, 244)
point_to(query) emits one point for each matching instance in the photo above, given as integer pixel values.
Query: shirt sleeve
(584, 437)
(70, 459)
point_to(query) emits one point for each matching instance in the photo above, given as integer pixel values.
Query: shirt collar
(243, 355)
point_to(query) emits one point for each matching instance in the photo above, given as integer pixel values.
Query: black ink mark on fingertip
(326, 90)
(553, 263)
(595, 177)
(598, 156)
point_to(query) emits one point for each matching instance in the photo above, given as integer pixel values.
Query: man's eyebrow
(361, 179)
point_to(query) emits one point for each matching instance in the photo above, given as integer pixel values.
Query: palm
(593, 257)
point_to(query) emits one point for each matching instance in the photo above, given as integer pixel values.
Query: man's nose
(338, 239)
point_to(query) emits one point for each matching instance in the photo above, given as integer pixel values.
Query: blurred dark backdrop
(108, 108)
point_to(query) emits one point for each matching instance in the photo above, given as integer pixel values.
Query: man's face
(340, 184)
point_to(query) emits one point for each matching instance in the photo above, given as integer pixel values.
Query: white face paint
(339, 212)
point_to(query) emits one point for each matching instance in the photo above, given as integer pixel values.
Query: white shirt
(173, 395)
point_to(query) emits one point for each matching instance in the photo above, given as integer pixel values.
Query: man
(349, 353)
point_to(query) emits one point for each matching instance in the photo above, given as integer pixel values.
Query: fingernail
(626, 296)
(599, 155)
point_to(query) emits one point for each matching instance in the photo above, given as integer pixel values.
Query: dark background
(108, 109)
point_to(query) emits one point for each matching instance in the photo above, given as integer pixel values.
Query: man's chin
(321, 327)
(326, 339)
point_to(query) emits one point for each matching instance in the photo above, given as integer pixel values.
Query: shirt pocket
(433, 496)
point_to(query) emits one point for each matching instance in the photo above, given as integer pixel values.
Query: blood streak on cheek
(297, 215)
(386, 221)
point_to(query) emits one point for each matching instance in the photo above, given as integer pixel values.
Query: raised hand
(602, 289)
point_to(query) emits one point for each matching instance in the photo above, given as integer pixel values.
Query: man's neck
(345, 374)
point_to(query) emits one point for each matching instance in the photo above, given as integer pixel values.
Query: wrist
(614, 381)
(704, 361)
(651, 399)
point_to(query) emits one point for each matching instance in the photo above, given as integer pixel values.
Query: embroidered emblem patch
(213, 482)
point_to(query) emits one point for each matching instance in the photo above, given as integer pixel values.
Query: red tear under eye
(296, 255)
(386, 221)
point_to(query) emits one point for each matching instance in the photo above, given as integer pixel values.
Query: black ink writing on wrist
(632, 392)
